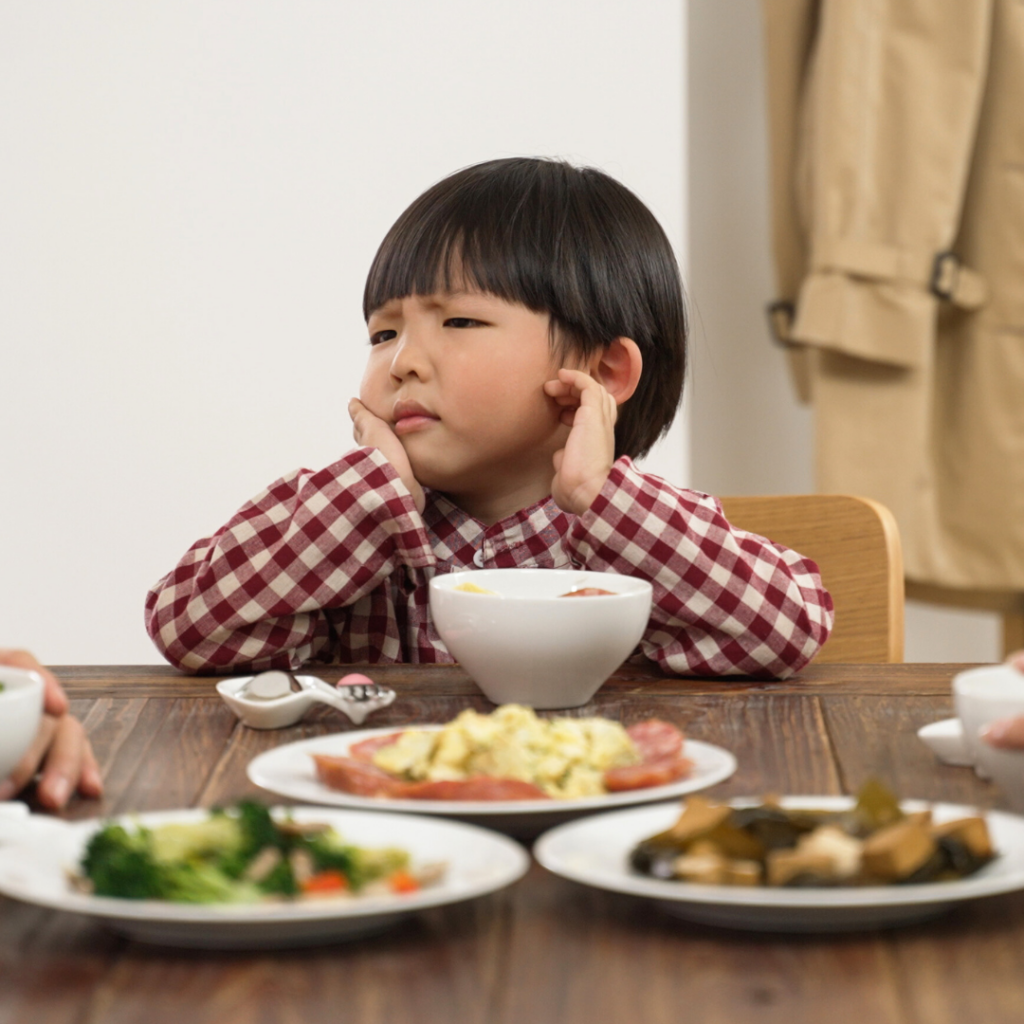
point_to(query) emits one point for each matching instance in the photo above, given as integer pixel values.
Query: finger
(91, 782)
(64, 763)
(562, 394)
(1007, 734)
(25, 770)
(54, 700)
(1017, 660)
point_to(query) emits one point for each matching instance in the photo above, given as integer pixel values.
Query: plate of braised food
(797, 863)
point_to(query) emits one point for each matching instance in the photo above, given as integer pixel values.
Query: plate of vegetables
(795, 864)
(253, 877)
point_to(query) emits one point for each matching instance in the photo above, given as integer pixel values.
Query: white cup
(21, 708)
(982, 696)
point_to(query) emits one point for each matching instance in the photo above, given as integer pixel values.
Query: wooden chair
(856, 543)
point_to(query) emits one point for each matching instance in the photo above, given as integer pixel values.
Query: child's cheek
(371, 394)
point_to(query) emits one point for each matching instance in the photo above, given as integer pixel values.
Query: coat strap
(941, 273)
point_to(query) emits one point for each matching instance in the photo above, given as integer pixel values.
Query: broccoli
(121, 864)
(257, 830)
(281, 880)
(134, 866)
(330, 854)
(205, 883)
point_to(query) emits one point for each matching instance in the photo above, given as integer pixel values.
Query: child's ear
(618, 368)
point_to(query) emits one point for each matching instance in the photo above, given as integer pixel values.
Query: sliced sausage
(479, 787)
(352, 776)
(650, 773)
(655, 739)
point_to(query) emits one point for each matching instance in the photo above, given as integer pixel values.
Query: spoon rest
(279, 712)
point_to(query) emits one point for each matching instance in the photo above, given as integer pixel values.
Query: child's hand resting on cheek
(372, 432)
(582, 466)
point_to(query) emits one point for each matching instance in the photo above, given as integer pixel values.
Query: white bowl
(946, 740)
(529, 645)
(21, 708)
(984, 695)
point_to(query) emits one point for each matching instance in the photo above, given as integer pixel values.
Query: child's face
(459, 377)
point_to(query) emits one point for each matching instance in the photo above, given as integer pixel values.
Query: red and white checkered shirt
(334, 566)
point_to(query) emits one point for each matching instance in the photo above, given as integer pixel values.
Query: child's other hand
(582, 466)
(373, 432)
(60, 754)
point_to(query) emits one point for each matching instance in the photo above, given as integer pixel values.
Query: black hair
(568, 241)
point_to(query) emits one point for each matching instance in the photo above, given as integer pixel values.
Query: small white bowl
(984, 695)
(530, 645)
(21, 709)
(946, 740)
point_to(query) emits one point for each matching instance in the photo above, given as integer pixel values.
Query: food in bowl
(510, 754)
(241, 855)
(873, 843)
(524, 644)
(472, 588)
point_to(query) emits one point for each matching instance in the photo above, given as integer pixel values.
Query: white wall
(191, 192)
(750, 436)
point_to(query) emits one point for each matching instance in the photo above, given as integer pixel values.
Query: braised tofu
(897, 851)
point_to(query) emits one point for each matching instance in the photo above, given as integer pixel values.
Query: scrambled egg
(566, 757)
(472, 588)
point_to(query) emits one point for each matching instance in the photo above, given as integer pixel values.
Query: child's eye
(378, 336)
(462, 321)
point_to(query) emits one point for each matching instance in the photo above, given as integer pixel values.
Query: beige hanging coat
(897, 134)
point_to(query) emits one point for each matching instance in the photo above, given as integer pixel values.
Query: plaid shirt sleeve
(726, 602)
(252, 595)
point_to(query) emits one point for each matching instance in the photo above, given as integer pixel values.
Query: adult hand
(60, 753)
(582, 466)
(1007, 734)
(373, 432)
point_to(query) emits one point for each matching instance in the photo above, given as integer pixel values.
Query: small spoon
(267, 686)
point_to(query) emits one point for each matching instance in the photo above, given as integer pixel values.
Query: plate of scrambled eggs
(565, 757)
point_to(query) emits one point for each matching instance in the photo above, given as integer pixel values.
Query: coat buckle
(780, 321)
(945, 275)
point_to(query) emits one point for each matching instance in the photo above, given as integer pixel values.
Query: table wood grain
(544, 950)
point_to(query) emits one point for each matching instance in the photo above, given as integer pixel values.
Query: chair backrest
(856, 543)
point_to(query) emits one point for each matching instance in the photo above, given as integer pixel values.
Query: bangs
(501, 228)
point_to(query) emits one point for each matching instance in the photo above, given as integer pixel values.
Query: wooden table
(544, 950)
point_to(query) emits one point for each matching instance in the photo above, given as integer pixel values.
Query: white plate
(595, 851)
(289, 771)
(32, 869)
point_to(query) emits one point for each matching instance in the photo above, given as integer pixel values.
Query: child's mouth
(411, 416)
(408, 424)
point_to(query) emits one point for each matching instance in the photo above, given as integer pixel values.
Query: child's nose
(411, 358)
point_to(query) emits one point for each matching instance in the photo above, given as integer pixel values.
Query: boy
(528, 334)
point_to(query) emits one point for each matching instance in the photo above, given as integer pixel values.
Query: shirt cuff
(362, 485)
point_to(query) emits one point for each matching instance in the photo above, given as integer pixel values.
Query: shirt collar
(455, 529)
